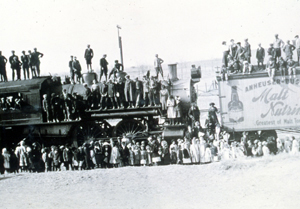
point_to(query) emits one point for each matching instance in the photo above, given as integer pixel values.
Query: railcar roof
(257, 74)
(22, 85)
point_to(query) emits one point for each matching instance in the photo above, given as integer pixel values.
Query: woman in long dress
(22, 156)
(195, 152)
(115, 154)
(202, 150)
(171, 112)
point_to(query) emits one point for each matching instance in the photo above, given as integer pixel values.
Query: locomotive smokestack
(172, 72)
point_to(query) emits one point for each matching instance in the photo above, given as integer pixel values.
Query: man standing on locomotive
(152, 91)
(103, 95)
(128, 89)
(77, 69)
(95, 94)
(88, 55)
(71, 69)
(14, 64)
(31, 63)
(103, 67)
(193, 114)
(138, 91)
(46, 107)
(157, 65)
(37, 55)
(25, 64)
(146, 89)
(3, 62)
(112, 94)
(120, 97)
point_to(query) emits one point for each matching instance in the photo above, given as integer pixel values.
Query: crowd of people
(237, 58)
(28, 61)
(197, 147)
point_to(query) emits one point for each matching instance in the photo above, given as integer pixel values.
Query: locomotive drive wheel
(128, 127)
(86, 132)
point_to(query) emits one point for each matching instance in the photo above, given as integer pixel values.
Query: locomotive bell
(89, 77)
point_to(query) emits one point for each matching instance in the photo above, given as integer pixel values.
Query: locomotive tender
(29, 120)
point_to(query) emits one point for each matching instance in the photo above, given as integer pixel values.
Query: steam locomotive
(27, 118)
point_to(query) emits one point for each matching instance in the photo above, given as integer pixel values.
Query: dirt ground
(251, 183)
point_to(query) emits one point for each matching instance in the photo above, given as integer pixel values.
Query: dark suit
(103, 67)
(88, 55)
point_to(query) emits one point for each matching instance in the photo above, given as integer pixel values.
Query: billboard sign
(260, 103)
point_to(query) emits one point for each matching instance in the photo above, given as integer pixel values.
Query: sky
(179, 31)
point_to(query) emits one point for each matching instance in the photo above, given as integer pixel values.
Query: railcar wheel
(129, 127)
(87, 132)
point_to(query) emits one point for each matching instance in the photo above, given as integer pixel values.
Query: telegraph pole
(120, 45)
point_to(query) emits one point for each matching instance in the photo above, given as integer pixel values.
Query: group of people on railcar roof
(237, 58)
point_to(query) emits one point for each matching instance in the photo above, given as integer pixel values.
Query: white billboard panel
(260, 103)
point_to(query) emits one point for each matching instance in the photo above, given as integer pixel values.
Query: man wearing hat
(88, 55)
(297, 44)
(288, 50)
(193, 114)
(36, 58)
(240, 53)
(247, 51)
(138, 91)
(119, 66)
(271, 52)
(25, 64)
(278, 44)
(232, 48)
(225, 54)
(14, 64)
(128, 90)
(212, 111)
(103, 67)
(77, 69)
(260, 56)
(31, 62)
